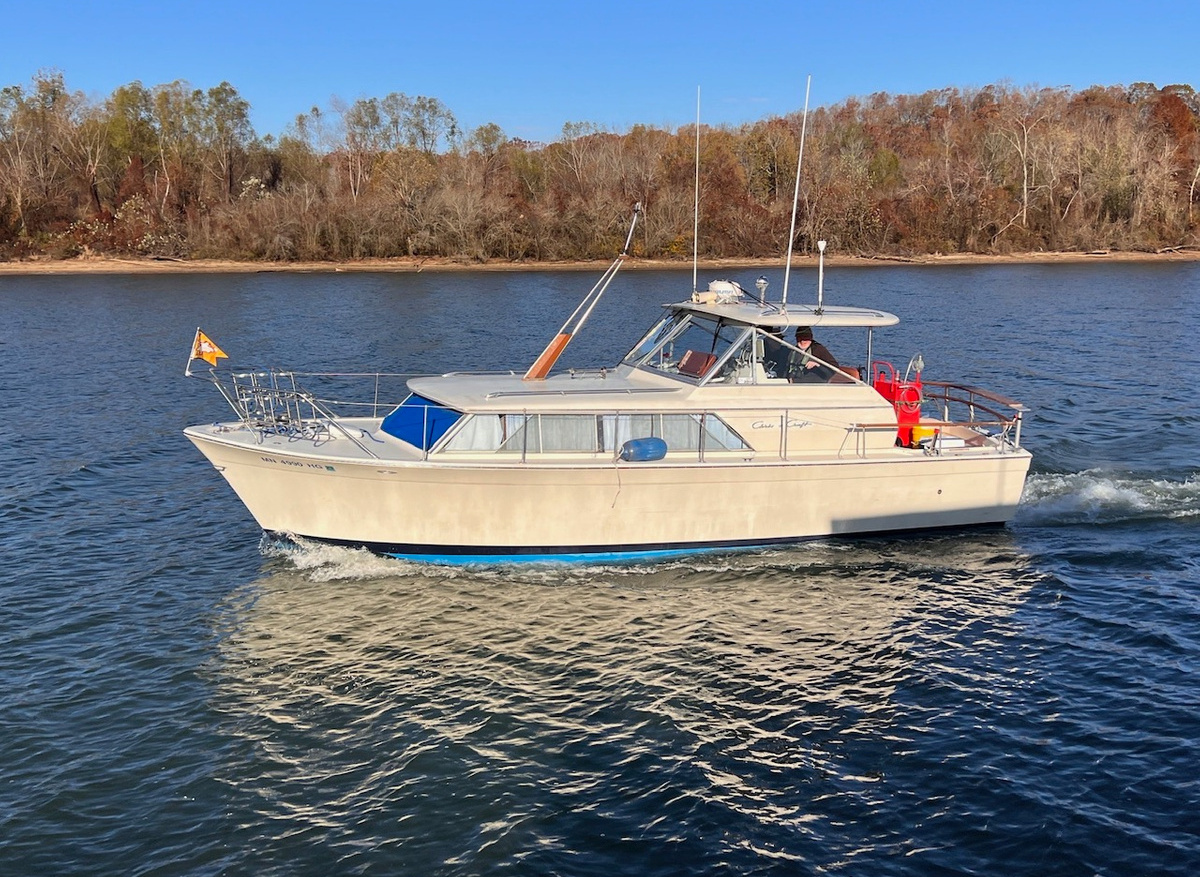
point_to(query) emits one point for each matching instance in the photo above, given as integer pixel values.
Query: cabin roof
(774, 315)
(626, 390)
(564, 391)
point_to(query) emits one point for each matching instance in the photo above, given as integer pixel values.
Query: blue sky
(532, 66)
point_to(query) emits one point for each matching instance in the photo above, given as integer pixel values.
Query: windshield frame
(660, 350)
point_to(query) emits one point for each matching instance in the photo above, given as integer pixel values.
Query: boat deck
(360, 441)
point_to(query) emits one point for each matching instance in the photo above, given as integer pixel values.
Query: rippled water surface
(181, 697)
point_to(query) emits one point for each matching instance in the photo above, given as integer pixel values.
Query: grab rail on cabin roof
(617, 391)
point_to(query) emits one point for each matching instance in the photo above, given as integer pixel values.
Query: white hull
(422, 508)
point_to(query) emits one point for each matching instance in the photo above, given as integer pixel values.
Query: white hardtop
(772, 315)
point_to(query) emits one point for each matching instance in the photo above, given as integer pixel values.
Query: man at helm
(813, 363)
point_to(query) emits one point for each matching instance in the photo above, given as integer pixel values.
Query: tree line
(177, 171)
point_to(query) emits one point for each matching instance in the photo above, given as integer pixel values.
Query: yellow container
(920, 433)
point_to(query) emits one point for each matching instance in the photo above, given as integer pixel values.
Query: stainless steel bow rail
(275, 402)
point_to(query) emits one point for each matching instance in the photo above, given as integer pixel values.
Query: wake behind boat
(714, 431)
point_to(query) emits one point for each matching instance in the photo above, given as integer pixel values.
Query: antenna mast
(787, 269)
(696, 207)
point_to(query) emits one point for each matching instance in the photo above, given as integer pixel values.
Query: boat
(713, 432)
(702, 437)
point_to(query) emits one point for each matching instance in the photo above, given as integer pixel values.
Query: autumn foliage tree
(174, 170)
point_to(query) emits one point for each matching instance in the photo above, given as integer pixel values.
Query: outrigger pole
(542, 365)
(787, 269)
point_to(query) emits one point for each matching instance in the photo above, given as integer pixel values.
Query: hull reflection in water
(527, 710)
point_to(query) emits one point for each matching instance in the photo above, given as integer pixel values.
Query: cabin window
(479, 432)
(681, 432)
(529, 434)
(420, 421)
(590, 433)
(564, 433)
(490, 432)
(518, 434)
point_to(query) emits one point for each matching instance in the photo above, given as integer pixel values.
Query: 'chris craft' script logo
(774, 424)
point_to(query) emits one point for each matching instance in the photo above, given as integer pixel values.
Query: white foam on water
(1102, 497)
(327, 563)
(320, 562)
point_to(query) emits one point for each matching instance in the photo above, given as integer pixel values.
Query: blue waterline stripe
(449, 555)
(589, 557)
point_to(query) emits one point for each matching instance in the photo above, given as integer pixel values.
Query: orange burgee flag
(204, 348)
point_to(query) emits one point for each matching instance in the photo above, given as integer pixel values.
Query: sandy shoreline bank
(216, 266)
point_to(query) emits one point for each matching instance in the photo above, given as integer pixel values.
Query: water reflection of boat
(704, 436)
(740, 649)
(421, 711)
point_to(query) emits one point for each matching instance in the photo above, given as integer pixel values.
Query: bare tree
(225, 131)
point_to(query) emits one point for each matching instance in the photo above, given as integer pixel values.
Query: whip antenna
(787, 269)
(696, 207)
(821, 278)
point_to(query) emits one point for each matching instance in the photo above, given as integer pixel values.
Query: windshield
(686, 344)
(662, 330)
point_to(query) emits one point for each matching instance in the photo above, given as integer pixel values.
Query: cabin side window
(681, 432)
(590, 433)
(527, 434)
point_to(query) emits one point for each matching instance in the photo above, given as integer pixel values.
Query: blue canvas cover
(419, 421)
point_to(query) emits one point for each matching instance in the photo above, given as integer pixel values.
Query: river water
(179, 697)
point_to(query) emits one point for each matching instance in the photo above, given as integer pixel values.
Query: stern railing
(1006, 414)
